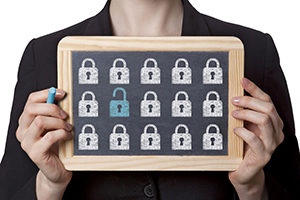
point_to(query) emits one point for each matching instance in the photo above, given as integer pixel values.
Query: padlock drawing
(212, 141)
(119, 75)
(150, 108)
(88, 75)
(150, 75)
(181, 108)
(212, 108)
(88, 141)
(150, 141)
(181, 141)
(119, 108)
(181, 75)
(88, 108)
(212, 75)
(119, 141)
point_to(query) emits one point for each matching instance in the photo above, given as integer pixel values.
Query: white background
(23, 20)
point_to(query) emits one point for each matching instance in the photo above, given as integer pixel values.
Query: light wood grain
(94, 43)
(154, 163)
(236, 73)
(235, 50)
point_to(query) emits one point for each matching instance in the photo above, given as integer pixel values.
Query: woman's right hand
(41, 127)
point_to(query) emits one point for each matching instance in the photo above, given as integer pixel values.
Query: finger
(41, 96)
(254, 90)
(255, 144)
(268, 137)
(18, 134)
(252, 103)
(33, 109)
(37, 150)
(263, 122)
(258, 105)
(43, 123)
(263, 104)
(52, 137)
(258, 118)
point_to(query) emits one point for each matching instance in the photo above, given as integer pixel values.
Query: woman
(270, 168)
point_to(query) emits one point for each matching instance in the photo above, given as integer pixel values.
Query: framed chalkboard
(151, 103)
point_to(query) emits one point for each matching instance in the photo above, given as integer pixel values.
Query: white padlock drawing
(181, 75)
(88, 75)
(150, 141)
(212, 75)
(119, 75)
(119, 141)
(212, 108)
(181, 108)
(88, 108)
(150, 108)
(181, 141)
(88, 141)
(212, 141)
(150, 75)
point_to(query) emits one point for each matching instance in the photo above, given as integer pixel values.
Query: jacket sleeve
(282, 172)
(17, 171)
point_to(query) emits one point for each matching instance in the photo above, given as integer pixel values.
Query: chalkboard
(151, 103)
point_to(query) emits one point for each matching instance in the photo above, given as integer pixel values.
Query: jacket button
(148, 191)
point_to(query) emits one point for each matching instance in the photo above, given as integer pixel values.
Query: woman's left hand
(262, 134)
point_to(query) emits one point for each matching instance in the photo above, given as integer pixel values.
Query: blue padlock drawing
(119, 108)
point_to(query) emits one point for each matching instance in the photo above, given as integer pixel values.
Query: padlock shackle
(117, 60)
(181, 59)
(90, 93)
(86, 60)
(182, 125)
(213, 92)
(212, 60)
(212, 125)
(148, 126)
(186, 96)
(148, 60)
(150, 92)
(121, 89)
(121, 126)
(88, 125)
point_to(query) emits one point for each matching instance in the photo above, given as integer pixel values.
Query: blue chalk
(51, 95)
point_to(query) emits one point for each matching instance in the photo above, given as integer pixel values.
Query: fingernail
(60, 92)
(63, 114)
(234, 130)
(235, 100)
(70, 134)
(245, 81)
(69, 126)
(235, 112)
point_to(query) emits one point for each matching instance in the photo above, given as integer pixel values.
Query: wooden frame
(235, 50)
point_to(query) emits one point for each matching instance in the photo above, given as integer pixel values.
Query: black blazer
(38, 71)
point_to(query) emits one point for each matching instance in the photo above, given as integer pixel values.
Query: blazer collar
(193, 24)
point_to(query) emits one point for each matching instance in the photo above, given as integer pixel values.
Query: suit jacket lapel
(193, 21)
(100, 25)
